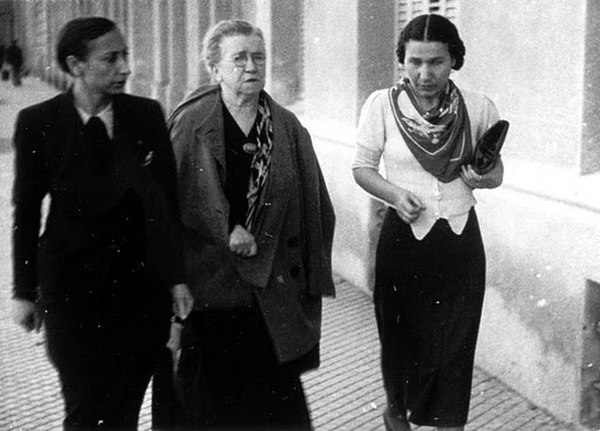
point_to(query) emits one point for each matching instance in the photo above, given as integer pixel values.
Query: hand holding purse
(487, 149)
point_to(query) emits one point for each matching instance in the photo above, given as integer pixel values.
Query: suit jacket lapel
(69, 119)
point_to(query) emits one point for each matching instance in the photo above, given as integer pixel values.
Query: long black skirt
(428, 299)
(229, 378)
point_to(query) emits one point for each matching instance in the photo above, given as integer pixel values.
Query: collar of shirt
(106, 115)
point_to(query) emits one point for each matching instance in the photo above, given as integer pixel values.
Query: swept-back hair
(75, 36)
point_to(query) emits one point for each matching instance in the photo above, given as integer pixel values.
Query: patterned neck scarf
(261, 163)
(439, 140)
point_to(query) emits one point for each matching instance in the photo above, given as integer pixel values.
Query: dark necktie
(98, 140)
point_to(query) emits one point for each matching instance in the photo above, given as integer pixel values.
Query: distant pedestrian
(430, 264)
(4, 71)
(108, 267)
(14, 59)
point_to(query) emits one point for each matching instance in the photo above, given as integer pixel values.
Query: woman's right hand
(408, 206)
(242, 242)
(24, 315)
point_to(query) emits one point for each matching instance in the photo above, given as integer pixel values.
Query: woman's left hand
(183, 301)
(490, 180)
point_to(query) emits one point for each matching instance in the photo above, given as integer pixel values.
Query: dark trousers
(229, 377)
(105, 354)
(428, 300)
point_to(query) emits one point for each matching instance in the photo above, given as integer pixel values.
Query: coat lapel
(211, 133)
(281, 181)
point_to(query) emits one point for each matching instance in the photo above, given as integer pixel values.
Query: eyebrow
(426, 58)
(248, 52)
(116, 51)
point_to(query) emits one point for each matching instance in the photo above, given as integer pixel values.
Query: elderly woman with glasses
(258, 234)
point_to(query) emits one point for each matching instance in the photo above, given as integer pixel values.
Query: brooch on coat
(148, 158)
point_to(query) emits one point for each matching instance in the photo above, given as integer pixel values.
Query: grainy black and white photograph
(297, 215)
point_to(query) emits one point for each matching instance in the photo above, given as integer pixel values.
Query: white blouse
(378, 138)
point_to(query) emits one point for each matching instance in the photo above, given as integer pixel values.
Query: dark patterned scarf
(440, 140)
(261, 162)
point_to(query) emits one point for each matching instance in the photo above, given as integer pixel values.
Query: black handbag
(487, 150)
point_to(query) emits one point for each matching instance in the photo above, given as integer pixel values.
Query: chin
(429, 93)
(255, 86)
(117, 89)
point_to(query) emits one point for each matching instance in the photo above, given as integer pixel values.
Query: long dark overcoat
(292, 269)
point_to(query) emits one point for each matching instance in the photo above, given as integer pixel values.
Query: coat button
(294, 271)
(293, 242)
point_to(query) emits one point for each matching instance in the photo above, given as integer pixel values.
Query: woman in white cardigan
(430, 266)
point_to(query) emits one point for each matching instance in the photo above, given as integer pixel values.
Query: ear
(74, 65)
(216, 74)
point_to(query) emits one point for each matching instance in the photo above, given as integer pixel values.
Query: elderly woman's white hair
(211, 51)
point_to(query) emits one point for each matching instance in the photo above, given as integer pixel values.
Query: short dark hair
(75, 36)
(211, 51)
(432, 28)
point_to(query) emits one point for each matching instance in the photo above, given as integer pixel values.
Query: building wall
(534, 72)
(542, 226)
(6, 22)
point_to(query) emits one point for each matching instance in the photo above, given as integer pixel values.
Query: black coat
(53, 159)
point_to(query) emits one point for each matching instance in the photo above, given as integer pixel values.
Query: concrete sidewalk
(344, 394)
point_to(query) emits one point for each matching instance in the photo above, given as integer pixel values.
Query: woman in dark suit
(259, 229)
(101, 272)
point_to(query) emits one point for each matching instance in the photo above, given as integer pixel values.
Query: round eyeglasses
(241, 59)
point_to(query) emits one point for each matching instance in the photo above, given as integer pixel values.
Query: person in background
(108, 267)
(14, 58)
(430, 262)
(258, 235)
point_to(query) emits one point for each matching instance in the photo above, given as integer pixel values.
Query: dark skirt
(428, 300)
(228, 376)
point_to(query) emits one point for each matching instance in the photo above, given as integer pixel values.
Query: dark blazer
(52, 159)
(292, 269)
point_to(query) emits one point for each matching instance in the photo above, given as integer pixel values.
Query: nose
(123, 65)
(250, 65)
(425, 72)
